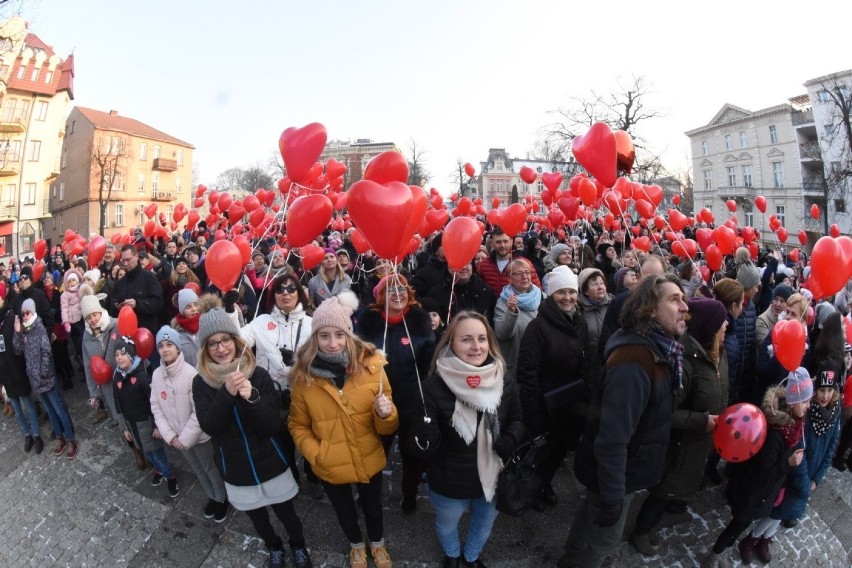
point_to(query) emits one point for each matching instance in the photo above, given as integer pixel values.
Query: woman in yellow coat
(341, 406)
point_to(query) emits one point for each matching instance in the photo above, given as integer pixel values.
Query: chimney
(113, 113)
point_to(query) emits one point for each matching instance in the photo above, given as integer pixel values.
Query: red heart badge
(405, 341)
(163, 395)
(132, 380)
(270, 326)
(119, 384)
(473, 381)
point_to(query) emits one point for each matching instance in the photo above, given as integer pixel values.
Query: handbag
(557, 400)
(519, 482)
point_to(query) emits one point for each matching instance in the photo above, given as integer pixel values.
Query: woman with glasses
(408, 344)
(516, 307)
(237, 406)
(330, 281)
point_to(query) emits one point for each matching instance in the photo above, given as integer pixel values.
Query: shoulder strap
(633, 354)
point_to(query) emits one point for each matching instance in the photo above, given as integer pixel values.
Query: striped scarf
(672, 349)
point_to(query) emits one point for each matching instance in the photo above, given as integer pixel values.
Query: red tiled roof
(66, 77)
(63, 75)
(107, 121)
(34, 41)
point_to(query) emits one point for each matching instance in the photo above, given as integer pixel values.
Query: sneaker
(221, 512)
(315, 491)
(276, 558)
(409, 504)
(99, 416)
(302, 558)
(210, 509)
(173, 487)
(762, 548)
(156, 480)
(60, 447)
(642, 543)
(28, 443)
(790, 524)
(358, 557)
(380, 556)
(39, 444)
(72, 453)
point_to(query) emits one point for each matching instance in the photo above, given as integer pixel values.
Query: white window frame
(180, 157)
(708, 179)
(705, 147)
(178, 184)
(119, 214)
(732, 177)
(30, 193)
(748, 181)
(156, 151)
(781, 213)
(744, 139)
(41, 110)
(35, 151)
(729, 145)
(773, 134)
(61, 191)
(143, 152)
(778, 174)
(140, 188)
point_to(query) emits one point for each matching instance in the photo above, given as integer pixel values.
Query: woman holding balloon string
(330, 281)
(770, 371)
(698, 404)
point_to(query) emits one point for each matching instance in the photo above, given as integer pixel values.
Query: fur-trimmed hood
(775, 407)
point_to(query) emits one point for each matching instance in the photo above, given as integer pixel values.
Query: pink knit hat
(336, 312)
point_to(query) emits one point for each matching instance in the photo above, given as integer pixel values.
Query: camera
(286, 356)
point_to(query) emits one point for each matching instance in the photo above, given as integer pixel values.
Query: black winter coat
(551, 356)
(624, 445)
(141, 285)
(246, 436)
(753, 485)
(475, 296)
(452, 467)
(428, 277)
(14, 375)
(133, 393)
(370, 326)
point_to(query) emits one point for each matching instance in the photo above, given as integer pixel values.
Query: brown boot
(762, 547)
(747, 549)
(140, 458)
(99, 416)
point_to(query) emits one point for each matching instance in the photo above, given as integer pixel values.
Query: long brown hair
(359, 352)
(450, 334)
(729, 292)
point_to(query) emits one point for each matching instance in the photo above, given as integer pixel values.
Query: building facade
(355, 155)
(122, 164)
(499, 173)
(36, 86)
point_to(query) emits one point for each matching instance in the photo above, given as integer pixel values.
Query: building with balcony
(741, 154)
(355, 155)
(499, 173)
(36, 86)
(111, 168)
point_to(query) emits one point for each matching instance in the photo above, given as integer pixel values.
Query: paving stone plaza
(99, 510)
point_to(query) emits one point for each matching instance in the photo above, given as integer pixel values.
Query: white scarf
(477, 389)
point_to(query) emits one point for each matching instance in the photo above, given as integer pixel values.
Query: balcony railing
(8, 210)
(810, 151)
(811, 224)
(733, 192)
(812, 187)
(10, 164)
(164, 165)
(13, 119)
(803, 117)
(163, 196)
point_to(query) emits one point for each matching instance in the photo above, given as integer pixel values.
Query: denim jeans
(160, 462)
(28, 424)
(448, 513)
(57, 411)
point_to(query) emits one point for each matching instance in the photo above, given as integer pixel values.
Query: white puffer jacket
(269, 333)
(172, 404)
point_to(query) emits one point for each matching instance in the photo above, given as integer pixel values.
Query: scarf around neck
(527, 301)
(216, 375)
(332, 366)
(477, 389)
(672, 350)
(822, 417)
(792, 432)
(189, 324)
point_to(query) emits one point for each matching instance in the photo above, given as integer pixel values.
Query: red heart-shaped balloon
(596, 151)
(236, 212)
(334, 169)
(625, 152)
(387, 166)
(306, 218)
(513, 219)
(311, 256)
(704, 237)
(382, 213)
(301, 148)
(677, 220)
(642, 243)
(551, 180)
(527, 174)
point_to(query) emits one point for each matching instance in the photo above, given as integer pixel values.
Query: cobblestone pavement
(98, 510)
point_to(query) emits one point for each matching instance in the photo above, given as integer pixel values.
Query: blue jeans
(31, 428)
(160, 462)
(448, 513)
(57, 411)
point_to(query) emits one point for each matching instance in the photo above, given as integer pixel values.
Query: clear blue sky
(458, 77)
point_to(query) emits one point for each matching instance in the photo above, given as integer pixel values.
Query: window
(30, 194)
(779, 212)
(539, 186)
(773, 134)
(119, 214)
(53, 190)
(747, 176)
(732, 177)
(143, 152)
(11, 193)
(170, 209)
(840, 205)
(705, 148)
(62, 191)
(155, 182)
(34, 74)
(707, 177)
(106, 215)
(778, 174)
(743, 140)
(21, 72)
(180, 157)
(41, 110)
(118, 182)
(728, 144)
(48, 77)
(178, 184)
(35, 150)
(141, 186)
(823, 96)
(749, 218)
(156, 151)
(64, 157)
(140, 214)
(73, 124)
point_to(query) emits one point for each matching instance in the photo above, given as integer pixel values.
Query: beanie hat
(602, 248)
(329, 250)
(379, 289)
(430, 305)
(782, 291)
(800, 387)
(706, 316)
(560, 278)
(183, 259)
(94, 275)
(556, 250)
(126, 345)
(28, 306)
(168, 333)
(587, 274)
(26, 271)
(342, 252)
(214, 319)
(335, 312)
(90, 304)
(748, 275)
(185, 298)
(828, 375)
(823, 310)
(69, 274)
(436, 243)
(619, 277)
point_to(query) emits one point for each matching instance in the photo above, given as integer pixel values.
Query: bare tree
(110, 155)
(417, 172)
(625, 108)
(836, 146)
(244, 180)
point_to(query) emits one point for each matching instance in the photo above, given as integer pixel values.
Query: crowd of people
(306, 379)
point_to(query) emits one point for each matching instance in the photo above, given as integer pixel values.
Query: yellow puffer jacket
(337, 431)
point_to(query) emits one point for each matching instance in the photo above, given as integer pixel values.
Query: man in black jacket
(623, 448)
(469, 293)
(140, 289)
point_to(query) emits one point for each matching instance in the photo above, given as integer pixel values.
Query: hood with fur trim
(775, 407)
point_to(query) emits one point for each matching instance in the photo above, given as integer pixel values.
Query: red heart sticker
(119, 384)
(132, 380)
(405, 341)
(473, 381)
(270, 326)
(163, 395)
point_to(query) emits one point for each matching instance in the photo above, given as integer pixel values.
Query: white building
(499, 173)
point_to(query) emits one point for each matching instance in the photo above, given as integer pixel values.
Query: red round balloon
(224, 263)
(740, 432)
(461, 241)
(826, 257)
(760, 203)
(144, 340)
(127, 321)
(101, 371)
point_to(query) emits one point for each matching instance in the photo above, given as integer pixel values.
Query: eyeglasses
(226, 342)
(398, 291)
(289, 289)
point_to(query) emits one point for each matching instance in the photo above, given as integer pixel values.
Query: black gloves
(285, 399)
(505, 446)
(425, 437)
(610, 513)
(230, 300)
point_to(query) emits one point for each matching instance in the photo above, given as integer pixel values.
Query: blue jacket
(818, 453)
(732, 350)
(745, 328)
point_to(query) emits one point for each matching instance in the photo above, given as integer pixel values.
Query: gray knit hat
(185, 297)
(214, 319)
(556, 250)
(168, 333)
(748, 275)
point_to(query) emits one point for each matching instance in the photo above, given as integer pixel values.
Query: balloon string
(452, 294)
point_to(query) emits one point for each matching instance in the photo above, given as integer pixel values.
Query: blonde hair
(359, 351)
(795, 299)
(190, 276)
(204, 358)
(449, 336)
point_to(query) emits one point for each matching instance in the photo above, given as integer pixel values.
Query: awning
(6, 229)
